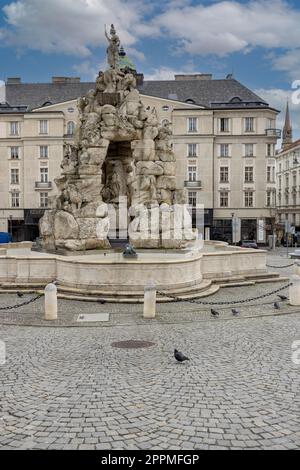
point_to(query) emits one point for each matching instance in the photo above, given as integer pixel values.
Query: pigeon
(19, 294)
(179, 356)
(282, 297)
(101, 301)
(277, 306)
(214, 313)
(235, 312)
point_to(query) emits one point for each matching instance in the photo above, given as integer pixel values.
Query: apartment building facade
(224, 139)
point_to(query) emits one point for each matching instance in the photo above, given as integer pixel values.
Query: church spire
(287, 136)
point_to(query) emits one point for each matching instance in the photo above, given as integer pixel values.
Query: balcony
(43, 185)
(273, 133)
(193, 184)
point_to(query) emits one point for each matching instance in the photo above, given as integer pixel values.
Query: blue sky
(259, 40)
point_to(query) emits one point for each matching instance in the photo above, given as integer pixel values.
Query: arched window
(70, 128)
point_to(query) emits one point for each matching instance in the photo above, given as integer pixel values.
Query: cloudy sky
(257, 40)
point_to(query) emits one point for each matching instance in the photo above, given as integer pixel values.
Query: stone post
(297, 267)
(295, 290)
(150, 301)
(51, 302)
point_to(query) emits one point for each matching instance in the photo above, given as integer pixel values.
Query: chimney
(195, 76)
(65, 80)
(13, 81)
(2, 92)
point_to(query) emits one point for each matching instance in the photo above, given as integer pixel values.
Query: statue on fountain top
(113, 48)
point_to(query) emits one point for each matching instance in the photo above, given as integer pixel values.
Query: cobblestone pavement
(68, 388)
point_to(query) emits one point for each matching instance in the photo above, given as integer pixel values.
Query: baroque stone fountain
(120, 152)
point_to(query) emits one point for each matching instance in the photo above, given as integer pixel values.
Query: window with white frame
(44, 151)
(44, 175)
(43, 199)
(224, 174)
(294, 179)
(224, 199)
(249, 150)
(14, 176)
(224, 124)
(294, 199)
(192, 123)
(192, 173)
(70, 128)
(249, 124)
(192, 198)
(249, 174)
(270, 150)
(280, 166)
(43, 126)
(224, 150)
(286, 199)
(248, 197)
(192, 150)
(15, 199)
(279, 199)
(14, 153)
(287, 181)
(279, 182)
(14, 128)
(270, 174)
(270, 198)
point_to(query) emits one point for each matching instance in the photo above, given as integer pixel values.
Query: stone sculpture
(119, 150)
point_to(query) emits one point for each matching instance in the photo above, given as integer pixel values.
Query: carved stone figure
(119, 150)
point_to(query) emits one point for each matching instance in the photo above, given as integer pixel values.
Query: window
(248, 198)
(14, 153)
(224, 199)
(270, 174)
(192, 150)
(70, 128)
(192, 173)
(43, 200)
(224, 125)
(279, 182)
(224, 150)
(287, 181)
(249, 174)
(270, 124)
(249, 124)
(249, 150)
(14, 128)
(44, 153)
(15, 199)
(270, 150)
(44, 175)
(192, 197)
(192, 124)
(294, 179)
(270, 198)
(280, 166)
(279, 199)
(286, 199)
(224, 174)
(294, 199)
(43, 127)
(14, 176)
(165, 108)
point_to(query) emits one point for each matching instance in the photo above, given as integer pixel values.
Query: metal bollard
(150, 301)
(295, 290)
(51, 302)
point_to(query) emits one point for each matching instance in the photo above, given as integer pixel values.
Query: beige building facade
(224, 140)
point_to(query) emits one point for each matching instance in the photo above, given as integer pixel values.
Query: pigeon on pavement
(214, 313)
(235, 312)
(282, 297)
(277, 306)
(19, 294)
(179, 356)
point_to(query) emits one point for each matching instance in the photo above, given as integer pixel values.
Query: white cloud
(289, 63)
(228, 26)
(167, 73)
(71, 26)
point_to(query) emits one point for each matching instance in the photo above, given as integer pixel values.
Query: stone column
(295, 290)
(150, 301)
(51, 302)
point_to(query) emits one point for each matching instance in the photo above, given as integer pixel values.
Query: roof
(289, 147)
(216, 94)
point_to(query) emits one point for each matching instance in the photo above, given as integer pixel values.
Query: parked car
(5, 237)
(249, 244)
